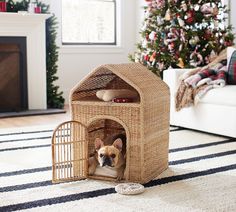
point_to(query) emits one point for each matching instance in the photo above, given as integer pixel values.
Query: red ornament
(207, 35)
(122, 100)
(190, 17)
(228, 43)
(189, 20)
(3, 6)
(146, 57)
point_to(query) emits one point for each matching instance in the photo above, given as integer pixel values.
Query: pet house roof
(135, 75)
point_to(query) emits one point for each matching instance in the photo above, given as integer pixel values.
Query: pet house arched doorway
(104, 127)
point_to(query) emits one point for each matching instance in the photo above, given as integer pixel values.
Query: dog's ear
(118, 144)
(98, 143)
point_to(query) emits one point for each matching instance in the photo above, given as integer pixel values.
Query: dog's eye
(113, 155)
(101, 155)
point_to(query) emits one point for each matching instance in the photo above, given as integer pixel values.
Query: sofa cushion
(221, 96)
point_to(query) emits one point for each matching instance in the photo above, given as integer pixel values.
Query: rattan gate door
(69, 152)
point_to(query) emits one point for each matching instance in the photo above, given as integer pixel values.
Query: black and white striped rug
(201, 177)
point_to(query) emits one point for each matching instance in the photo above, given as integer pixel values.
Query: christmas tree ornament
(207, 35)
(173, 22)
(228, 43)
(172, 35)
(209, 9)
(216, 23)
(180, 21)
(190, 17)
(146, 57)
(152, 35)
(181, 63)
(182, 36)
(153, 56)
(163, 35)
(196, 59)
(160, 21)
(168, 15)
(144, 43)
(196, 7)
(165, 42)
(184, 6)
(160, 3)
(171, 47)
(197, 39)
(194, 40)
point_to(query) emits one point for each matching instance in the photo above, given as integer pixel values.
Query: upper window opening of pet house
(89, 22)
(104, 79)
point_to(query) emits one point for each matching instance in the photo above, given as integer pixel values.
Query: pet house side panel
(156, 131)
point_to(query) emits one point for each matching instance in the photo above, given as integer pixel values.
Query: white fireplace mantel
(31, 26)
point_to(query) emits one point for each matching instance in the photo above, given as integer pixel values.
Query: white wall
(139, 17)
(232, 8)
(76, 62)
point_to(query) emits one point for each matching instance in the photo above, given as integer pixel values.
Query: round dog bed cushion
(129, 188)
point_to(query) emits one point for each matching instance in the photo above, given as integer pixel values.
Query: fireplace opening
(13, 74)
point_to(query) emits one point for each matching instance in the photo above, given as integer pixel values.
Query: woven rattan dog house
(145, 122)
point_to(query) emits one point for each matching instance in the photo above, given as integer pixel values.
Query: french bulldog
(111, 153)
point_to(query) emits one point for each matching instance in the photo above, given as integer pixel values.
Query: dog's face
(108, 155)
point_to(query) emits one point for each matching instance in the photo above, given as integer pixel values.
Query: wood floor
(28, 121)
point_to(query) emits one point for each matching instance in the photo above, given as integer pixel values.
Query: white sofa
(215, 113)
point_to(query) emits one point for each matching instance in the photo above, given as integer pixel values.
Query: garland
(54, 97)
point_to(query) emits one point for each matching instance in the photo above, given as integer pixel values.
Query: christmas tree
(182, 34)
(54, 97)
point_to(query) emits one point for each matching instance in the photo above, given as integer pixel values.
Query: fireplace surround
(32, 28)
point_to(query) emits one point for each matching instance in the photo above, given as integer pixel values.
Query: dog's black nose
(106, 162)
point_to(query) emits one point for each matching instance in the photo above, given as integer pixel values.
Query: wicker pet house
(145, 122)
